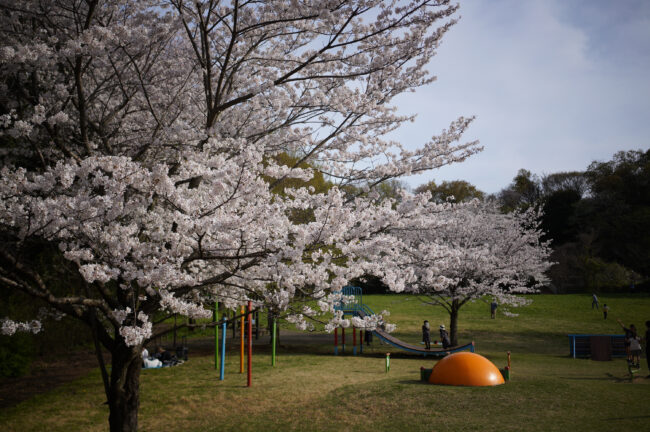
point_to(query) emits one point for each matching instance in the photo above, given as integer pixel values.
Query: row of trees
(597, 221)
(594, 226)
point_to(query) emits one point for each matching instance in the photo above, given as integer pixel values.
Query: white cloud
(546, 94)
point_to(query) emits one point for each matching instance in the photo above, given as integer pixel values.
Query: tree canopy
(456, 191)
(597, 220)
(471, 251)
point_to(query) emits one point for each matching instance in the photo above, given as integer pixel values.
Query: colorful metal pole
(361, 332)
(250, 342)
(354, 341)
(273, 344)
(336, 341)
(175, 330)
(508, 359)
(574, 346)
(215, 315)
(222, 369)
(343, 339)
(387, 362)
(241, 340)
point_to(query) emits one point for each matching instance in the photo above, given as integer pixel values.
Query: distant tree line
(597, 221)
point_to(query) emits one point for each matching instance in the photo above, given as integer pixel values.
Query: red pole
(354, 340)
(343, 338)
(250, 342)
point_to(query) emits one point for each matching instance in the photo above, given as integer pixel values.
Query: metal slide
(365, 310)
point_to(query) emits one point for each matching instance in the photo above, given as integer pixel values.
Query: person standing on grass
(493, 308)
(425, 335)
(444, 337)
(605, 310)
(594, 301)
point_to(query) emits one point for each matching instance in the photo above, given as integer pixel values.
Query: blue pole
(574, 346)
(222, 369)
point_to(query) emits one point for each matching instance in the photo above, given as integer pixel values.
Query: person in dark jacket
(166, 357)
(425, 335)
(630, 333)
(444, 337)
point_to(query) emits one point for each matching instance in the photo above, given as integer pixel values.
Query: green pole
(273, 344)
(387, 362)
(216, 335)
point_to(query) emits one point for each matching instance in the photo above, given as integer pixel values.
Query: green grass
(312, 390)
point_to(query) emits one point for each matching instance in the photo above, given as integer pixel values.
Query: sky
(554, 85)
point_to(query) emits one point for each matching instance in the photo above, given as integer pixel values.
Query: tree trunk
(453, 324)
(125, 388)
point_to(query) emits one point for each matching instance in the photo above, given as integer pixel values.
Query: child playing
(630, 335)
(444, 337)
(426, 335)
(635, 351)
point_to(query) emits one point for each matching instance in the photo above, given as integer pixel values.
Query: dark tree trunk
(269, 321)
(453, 324)
(124, 388)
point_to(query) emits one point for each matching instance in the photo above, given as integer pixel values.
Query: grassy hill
(312, 390)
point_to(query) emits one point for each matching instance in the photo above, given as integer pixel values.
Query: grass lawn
(312, 390)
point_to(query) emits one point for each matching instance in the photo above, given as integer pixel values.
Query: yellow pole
(241, 333)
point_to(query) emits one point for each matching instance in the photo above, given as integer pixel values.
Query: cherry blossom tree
(471, 251)
(139, 145)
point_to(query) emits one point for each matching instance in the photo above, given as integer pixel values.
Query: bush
(16, 354)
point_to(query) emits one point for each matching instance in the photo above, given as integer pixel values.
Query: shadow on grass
(627, 379)
(626, 418)
(607, 377)
(413, 382)
(317, 350)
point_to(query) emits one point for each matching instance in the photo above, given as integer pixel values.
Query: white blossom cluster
(470, 251)
(145, 142)
(10, 327)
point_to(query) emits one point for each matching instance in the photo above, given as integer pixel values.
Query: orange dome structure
(466, 369)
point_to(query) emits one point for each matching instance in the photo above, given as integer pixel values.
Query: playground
(310, 388)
